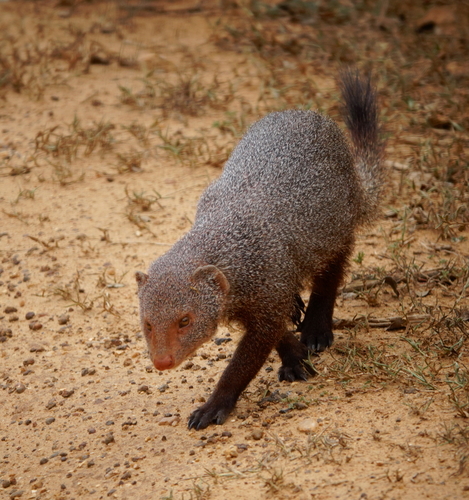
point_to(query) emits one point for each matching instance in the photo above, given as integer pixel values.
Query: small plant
(74, 294)
(193, 151)
(140, 132)
(420, 410)
(359, 258)
(185, 94)
(234, 124)
(129, 162)
(79, 139)
(143, 201)
(274, 482)
(25, 194)
(459, 390)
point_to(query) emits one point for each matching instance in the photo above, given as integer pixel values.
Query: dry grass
(417, 287)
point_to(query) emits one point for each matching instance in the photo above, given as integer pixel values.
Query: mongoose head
(179, 311)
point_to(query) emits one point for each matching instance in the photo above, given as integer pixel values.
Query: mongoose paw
(209, 413)
(302, 370)
(318, 341)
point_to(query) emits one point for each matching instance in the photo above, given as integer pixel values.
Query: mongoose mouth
(163, 363)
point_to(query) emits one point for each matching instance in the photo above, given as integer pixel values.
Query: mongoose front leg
(247, 360)
(294, 355)
(316, 327)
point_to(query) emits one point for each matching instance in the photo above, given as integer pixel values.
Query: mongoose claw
(209, 413)
(318, 342)
(300, 371)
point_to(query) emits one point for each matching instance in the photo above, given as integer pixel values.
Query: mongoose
(280, 219)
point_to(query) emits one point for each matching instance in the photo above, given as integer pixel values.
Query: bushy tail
(361, 117)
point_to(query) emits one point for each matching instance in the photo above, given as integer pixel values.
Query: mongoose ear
(141, 278)
(206, 272)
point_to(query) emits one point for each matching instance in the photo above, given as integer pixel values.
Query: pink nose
(164, 363)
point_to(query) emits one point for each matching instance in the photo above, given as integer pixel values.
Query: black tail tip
(360, 103)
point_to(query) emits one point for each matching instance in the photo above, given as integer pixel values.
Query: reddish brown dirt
(104, 153)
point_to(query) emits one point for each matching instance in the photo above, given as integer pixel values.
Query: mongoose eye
(184, 321)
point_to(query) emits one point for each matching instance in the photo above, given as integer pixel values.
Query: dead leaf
(360, 285)
(438, 120)
(441, 20)
(458, 69)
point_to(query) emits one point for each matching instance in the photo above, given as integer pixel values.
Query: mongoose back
(280, 219)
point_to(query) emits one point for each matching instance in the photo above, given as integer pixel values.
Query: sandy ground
(113, 120)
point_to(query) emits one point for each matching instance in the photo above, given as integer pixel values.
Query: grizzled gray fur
(281, 219)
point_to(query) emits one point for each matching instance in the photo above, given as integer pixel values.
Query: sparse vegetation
(103, 156)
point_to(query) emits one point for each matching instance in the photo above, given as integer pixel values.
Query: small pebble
(231, 452)
(43, 461)
(16, 493)
(109, 438)
(174, 420)
(10, 309)
(20, 388)
(144, 388)
(35, 325)
(29, 361)
(220, 341)
(91, 430)
(130, 421)
(63, 319)
(30, 315)
(65, 393)
(257, 434)
(51, 404)
(50, 420)
(37, 348)
(5, 333)
(308, 425)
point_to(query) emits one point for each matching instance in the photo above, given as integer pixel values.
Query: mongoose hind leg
(250, 355)
(316, 327)
(294, 356)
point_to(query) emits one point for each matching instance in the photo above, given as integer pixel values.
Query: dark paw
(209, 413)
(318, 341)
(300, 370)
